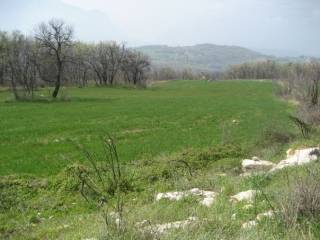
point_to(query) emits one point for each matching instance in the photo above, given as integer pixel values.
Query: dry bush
(301, 201)
(309, 114)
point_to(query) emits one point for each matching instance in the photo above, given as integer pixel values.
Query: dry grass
(301, 201)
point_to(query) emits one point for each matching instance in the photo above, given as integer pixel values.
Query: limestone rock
(160, 229)
(249, 225)
(244, 196)
(208, 197)
(268, 214)
(298, 158)
(256, 164)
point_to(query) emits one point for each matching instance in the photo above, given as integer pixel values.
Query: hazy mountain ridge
(201, 57)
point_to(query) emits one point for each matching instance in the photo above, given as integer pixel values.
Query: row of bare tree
(299, 81)
(170, 73)
(254, 70)
(51, 57)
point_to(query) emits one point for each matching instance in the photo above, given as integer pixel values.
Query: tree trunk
(14, 87)
(314, 93)
(58, 82)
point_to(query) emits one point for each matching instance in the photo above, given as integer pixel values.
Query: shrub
(301, 201)
(188, 162)
(106, 176)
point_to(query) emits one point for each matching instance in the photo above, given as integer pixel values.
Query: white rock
(249, 225)
(247, 174)
(253, 223)
(115, 217)
(173, 196)
(234, 217)
(163, 228)
(256, 164)
(235, 121)
(290, 152)
(143, 224)
(208, 197)
(222, 174)
(268, 214)
(207, 201)
(300, 157)
(244, 196)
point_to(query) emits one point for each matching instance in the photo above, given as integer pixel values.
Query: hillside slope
(204, 57)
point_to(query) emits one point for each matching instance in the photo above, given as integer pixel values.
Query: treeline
(170, 73)
(255, 70)
(52, 58)
(296, 80)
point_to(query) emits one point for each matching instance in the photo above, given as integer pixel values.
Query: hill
(203, 57)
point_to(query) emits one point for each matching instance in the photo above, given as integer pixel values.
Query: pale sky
(288, 25)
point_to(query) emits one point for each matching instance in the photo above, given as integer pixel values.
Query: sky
(289, 27)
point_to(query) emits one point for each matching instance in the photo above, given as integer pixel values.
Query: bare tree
(78, 68)
(56, 38)
(3, 60)
(20, 55)
(314, 78)
(105, 60)
(135, 65)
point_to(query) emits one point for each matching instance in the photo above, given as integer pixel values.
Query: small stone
(208, 197)
(235, 121)
(268, 214)
(244, 196)
(143, 224)
(159, 229)
(249, 225)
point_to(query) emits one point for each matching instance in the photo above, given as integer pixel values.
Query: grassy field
(210, 127)
(160, 120)
(155, 128)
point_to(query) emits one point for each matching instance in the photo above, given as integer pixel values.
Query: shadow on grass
(48, 100)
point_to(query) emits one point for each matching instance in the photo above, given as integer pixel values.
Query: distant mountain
(203, 57)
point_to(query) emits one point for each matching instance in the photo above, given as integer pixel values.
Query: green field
(210, 127)
(163, 119)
